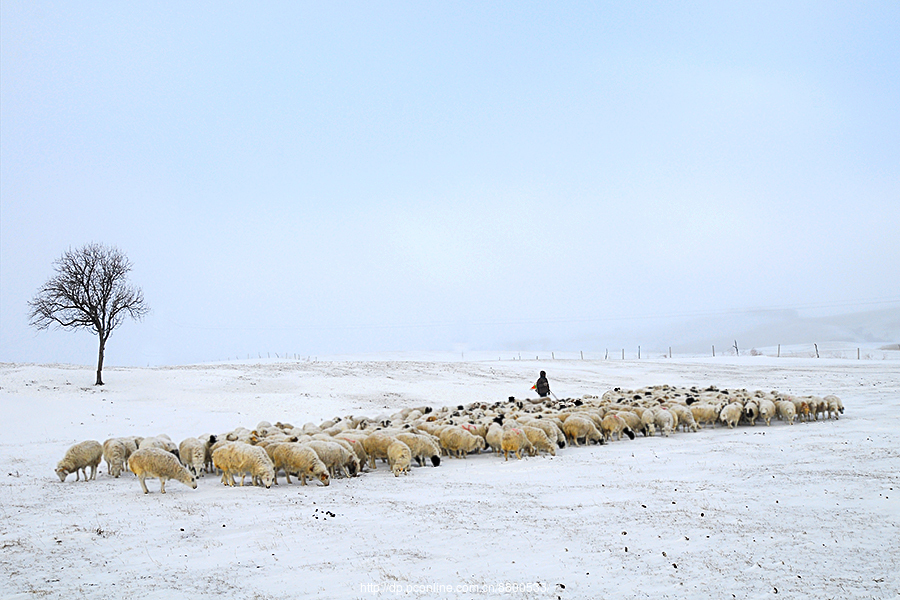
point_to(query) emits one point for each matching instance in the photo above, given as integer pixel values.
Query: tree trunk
(100, 361)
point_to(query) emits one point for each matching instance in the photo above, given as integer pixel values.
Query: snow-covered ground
(804, 511)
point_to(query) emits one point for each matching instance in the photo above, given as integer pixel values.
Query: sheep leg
(162, 485)
(143, 485)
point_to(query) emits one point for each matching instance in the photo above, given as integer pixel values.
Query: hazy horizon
(312, 179)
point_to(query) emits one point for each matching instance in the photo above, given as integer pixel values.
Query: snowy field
(804, 511)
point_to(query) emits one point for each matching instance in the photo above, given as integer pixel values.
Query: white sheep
(494, 437)
(78, 458)
(577, 427)
(459, 441)
(154, 462)
(539, 440)
(336, 457)
(422, 447)
(399, 458)
(705, 413)
(613, 424)
(685, 417)
(115, 454)
(786, 411)
(835, 406)
(648, 422)
(162, 441)
(192, 452)
(238, 457)
(664, 421)
(767, 410)
(731, 414)
(516, 441)
(376, 445)
(302, 461)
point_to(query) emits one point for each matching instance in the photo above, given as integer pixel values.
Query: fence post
(639, 353)
(817, 350)
(779, 350)
(714, 350)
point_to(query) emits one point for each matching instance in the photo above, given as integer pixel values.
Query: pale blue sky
(311, 178)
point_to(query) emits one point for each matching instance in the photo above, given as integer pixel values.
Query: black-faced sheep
(614, 425)
(422, 447)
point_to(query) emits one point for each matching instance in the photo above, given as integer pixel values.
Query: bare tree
(89, 291)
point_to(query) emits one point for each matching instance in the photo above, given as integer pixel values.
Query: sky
(304, 178)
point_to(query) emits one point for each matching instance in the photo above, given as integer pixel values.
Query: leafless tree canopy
(90, 290)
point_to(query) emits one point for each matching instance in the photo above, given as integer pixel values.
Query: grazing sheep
(731, 414)
(336, 457)
(514, 440)
(302, 461)
(422, 448)
(78, 458)
(613, 424)
(685, 417)
(577, 427)
(376, 445)
(399, 457)
(238, 457)
(115, 454)
(648, 423)
(192, 452)
(459, 441)
(554, 432)
(632, 420)
(494, 437)
(664, 421)
(538, 440)
(705, 413)
(786, 411)
(835, 406)
(356, 445)
(154, 462)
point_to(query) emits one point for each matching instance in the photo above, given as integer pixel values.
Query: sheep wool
(238, 457)
(114, 453)
(399, 458)
(78, 458)
(192, 452)
(154, 462)
(301, 461)
(514, 440)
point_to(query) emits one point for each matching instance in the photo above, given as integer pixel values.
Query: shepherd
(542, 386)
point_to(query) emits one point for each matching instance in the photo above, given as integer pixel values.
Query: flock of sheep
(345, 446)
